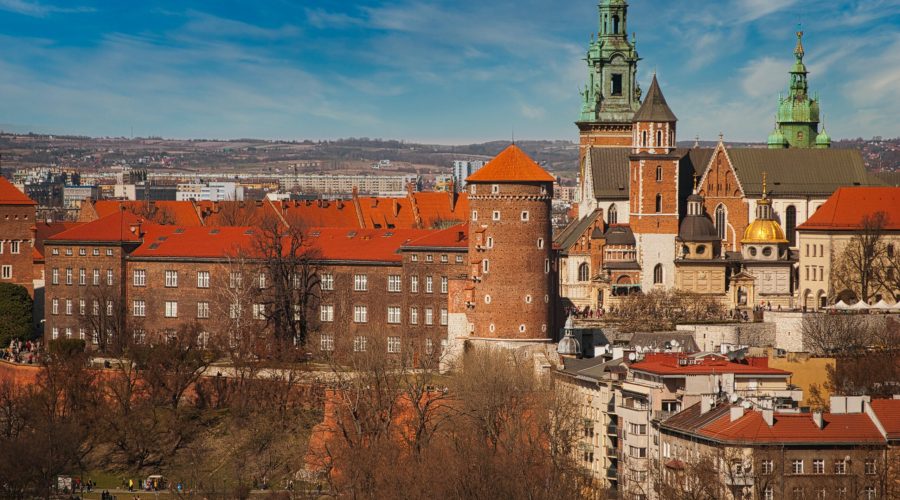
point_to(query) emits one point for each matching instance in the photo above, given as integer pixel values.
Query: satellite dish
(631, 356)
(674, 343)
(746, 405)
(734, 398)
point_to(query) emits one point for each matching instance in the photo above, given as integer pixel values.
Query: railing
(612, 430)
(660, 416)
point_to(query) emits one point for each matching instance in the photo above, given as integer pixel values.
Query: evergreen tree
(15, 313)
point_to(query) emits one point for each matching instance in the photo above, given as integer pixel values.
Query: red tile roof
(453, 237)
(114, 227)
(888, 413)
(669, 364)
(44, 230)
(511, 165)
(846, 208)
(378, 245)
(794, 428)
(179, 213)
(10, 195)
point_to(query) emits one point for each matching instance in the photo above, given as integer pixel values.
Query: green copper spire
(798, 114)
(612, 94)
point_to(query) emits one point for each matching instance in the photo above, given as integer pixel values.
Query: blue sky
(446, 71)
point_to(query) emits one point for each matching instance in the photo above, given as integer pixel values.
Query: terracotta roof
(179, 213)
(845, 209)
(453, 237)
(114, 227)
(376, 245)
(44, 230)
(10, 195)
(235, 213)
(790, 428)
(668, 364)
(197, 242)
(511, 165)
(888, 413)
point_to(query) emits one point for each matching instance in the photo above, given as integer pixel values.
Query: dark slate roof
(621, 266)
(593, 368)
(889, 179)
(690, 420)
(620, 234)
(697, 228)
(569, 236)
(695, 159)
(654, 108)
(609, 169)
(798, 171)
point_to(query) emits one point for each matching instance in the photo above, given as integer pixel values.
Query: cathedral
(719, 221)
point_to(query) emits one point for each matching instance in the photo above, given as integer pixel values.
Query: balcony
(660, 416)
(612, 473)
(738, 480)
(611, 452)
(612, 430)
(636, 415)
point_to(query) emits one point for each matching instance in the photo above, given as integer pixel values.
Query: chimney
(817, 418)
(340, 204)
(705, 404)
(736, 412)
(838, 404)
(395, 206)
(769, 417)
(460, 236)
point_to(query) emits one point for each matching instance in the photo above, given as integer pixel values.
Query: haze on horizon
(445, 72)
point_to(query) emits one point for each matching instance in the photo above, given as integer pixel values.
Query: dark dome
(697, 228)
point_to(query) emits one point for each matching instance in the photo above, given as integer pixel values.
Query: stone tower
(511, 277)
(612, 95)
(653, 185)
(798, 114)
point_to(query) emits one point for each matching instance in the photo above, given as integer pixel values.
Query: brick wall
(17, 229)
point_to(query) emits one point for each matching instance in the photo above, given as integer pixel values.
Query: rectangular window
(429, 346)
(459, 259)
(235, 280)
(393, 345)
(765, 466)
(429, 257)
(796, 466)
(769, 493)
(171, 309)
(524, 215)
(616, 88)
(139, 308)
(203, 310)
(870, 466)
(109, 308)
(326, 342)
(414, 258)
(840, 467)
(326, 313)
(429, 316)
(445, 284)
(202, 279)
(636, 452)
(234, 312)
(109, 252)
(429, 284)
(259, 311)
(359, 343)
(870, 493)
(495, 215)
(82, 277)
(54, 306)
(95, 252)
(95, 277)
(443, 316)
(6, 272)
(109, 277)
(171, 279)
(68, 332)
(414, 284)
(413, 315)
(55, 333)
(82, 307)
(54, 276)
(360, 314)
(55, 251)
(360, 282)
(818, 466)
(394, 283)
(326, 282)
(95, 308)
(261, 281)
(68, 307)
(13, 247)
(82, 252)
(68, 275)
(393, 315)
(139, 277)
(474, 215)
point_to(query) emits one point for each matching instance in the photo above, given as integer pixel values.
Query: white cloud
(531, 112)
(764, 77)
(37, 9)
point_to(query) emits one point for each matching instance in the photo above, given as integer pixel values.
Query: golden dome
(764, 231)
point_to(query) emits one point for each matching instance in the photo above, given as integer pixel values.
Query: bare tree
(104, 317)
(855, 271)
(830, 334)
(662, 310)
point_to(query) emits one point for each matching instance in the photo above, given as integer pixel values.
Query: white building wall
(656, 249)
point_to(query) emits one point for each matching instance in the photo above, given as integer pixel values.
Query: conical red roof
(511, 165)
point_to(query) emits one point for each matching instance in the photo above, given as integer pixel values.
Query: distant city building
(74, 195)
(213, 191)
(463, 169)
(382, 185)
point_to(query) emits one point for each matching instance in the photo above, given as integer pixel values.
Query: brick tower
(654, 189)
(511, 281)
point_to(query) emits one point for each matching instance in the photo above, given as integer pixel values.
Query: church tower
(798, 114)
(510, 250)
(653, 184)
(612, 95)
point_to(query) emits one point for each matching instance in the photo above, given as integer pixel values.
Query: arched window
(659, 138)
(584, 272)
(616, 25)
(659, 173)
(658, 274)
(790, 224)
(721, 221)
(644, 138)
(658, 203)
(612, 215)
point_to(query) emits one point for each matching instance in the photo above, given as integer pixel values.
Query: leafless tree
(855, 271)
(104, 316)
(662, 310)
(830, 334)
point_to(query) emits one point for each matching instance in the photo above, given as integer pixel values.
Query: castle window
(644, 138)
(485, 266)
(659, 138)
(495, 188)
(524, 215)
(658, 203)
(474, 215)
(659, 174)
(521, 328)
(616, 85)
(790, 224)
(496, 215)
(658, 274)
(615, 20)
(721, 221)
(890, 250)
(612, 215)
(584, 272)
(701, 249)
(541, 243)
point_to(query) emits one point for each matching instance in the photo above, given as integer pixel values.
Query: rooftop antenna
(513, 134)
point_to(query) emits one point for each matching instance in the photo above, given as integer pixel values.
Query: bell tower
(798, 114)
(612, 95)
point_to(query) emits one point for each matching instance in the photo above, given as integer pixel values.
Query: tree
(15, 313)
(830, 334)
(662, 310)
(104, 318)
(856, 271)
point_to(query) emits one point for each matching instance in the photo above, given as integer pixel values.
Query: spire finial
(721, 136)
(764, 195)
(799, 50)
(696, 179)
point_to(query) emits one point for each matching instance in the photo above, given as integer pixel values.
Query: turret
(798, 114)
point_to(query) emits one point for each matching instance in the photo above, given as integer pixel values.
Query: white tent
(859, 306)
(883, 306)
(840, 306)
